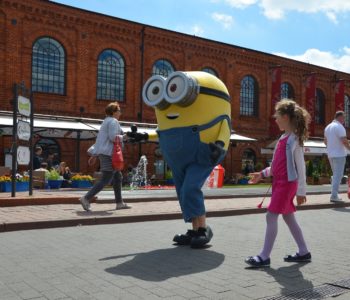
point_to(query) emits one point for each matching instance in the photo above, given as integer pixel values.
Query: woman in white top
(103, 149)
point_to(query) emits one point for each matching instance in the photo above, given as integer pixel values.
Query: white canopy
(241, 138)
(49, 126)
(66, 127)
(311, 147)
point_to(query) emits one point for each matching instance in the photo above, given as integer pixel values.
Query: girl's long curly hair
(298, 116)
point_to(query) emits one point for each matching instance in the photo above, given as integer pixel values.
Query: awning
(311, 147)
(49, 126)
(241, 138)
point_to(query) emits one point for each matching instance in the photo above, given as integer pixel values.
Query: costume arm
(153, 136)
(224, 133)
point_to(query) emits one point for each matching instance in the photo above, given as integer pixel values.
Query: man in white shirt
(337, 146)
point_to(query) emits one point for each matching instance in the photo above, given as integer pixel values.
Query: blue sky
(313, 31)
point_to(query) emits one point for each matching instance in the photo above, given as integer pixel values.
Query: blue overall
(190, 163)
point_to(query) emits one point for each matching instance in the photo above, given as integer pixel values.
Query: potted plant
(22, 183)
(81, 181)
(316, 177)
(309, 171)
(243, 179)
(54, 179)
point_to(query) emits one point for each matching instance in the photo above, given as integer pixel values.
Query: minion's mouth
(172, 116)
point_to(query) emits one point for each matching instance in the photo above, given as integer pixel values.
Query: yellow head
(186, 98)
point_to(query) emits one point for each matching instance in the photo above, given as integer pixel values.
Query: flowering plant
(19, 178)
(5, 178)
(243, 177)
(80, 177)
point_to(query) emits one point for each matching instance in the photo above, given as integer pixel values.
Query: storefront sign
(23, 155)
(23, 130)
(24, 107)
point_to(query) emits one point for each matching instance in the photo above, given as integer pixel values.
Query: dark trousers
(107, 176)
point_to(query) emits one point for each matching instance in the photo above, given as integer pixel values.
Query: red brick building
(77, 61)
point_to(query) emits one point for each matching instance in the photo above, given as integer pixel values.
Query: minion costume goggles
(179, 88)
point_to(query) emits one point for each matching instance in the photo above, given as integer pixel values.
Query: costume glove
(135, 137)
(217, 150)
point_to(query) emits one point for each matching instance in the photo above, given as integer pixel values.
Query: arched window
(110, 76)
(287, 91)
(49, 146)
(248, 161)
(320, 107)
(210, 71)
(249, 96)
(48, 66)
(162, 67)
(347, 110)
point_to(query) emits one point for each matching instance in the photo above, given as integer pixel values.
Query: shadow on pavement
(162, 264)
(292, 280)
(342, 209)
(93, 213)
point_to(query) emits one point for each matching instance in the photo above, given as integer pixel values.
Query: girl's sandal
(298, 258)
(250, 260)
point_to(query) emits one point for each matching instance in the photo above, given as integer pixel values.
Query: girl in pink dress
(289, 179)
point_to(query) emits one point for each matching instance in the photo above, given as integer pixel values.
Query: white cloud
(276, 9)
(332, 16)
(225, 20)
(240, 3)
(197, 30)
(326, 59)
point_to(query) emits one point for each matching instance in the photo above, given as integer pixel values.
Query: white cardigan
(295, 163)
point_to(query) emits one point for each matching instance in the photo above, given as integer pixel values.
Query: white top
(334, 132)
(110, 128)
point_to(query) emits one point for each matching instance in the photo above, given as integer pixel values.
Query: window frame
(102, 86)
(35, 86)
(251, 99)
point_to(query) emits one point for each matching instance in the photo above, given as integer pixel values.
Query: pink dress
(283, 191)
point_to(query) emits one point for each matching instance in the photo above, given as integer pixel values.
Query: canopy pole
(77, 153)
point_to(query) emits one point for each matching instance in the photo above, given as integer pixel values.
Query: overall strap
(215, 121)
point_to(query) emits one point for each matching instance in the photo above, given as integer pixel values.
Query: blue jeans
(337, 165)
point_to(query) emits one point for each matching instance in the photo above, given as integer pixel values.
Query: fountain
(139, 176)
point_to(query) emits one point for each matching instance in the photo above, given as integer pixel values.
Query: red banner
(311, 100)
(339, 92)
(276, 76)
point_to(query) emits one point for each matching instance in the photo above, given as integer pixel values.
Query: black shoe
(202, 237)
(250, 260)
(184, 239)
(298, 258)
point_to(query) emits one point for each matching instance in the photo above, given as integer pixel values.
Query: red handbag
(117, 155)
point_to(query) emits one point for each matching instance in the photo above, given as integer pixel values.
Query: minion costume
(194, 126)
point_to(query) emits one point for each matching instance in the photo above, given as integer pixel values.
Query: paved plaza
(130, 254)
(138, 260)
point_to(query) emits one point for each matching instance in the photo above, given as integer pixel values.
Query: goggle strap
(213, 92)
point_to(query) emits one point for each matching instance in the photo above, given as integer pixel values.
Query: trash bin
(216, 177)
(219, 173)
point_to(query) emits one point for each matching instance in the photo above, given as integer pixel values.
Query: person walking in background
(289, 179)
(102, 149)
(337, 146)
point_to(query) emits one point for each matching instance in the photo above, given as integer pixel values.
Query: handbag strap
(117, 140)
